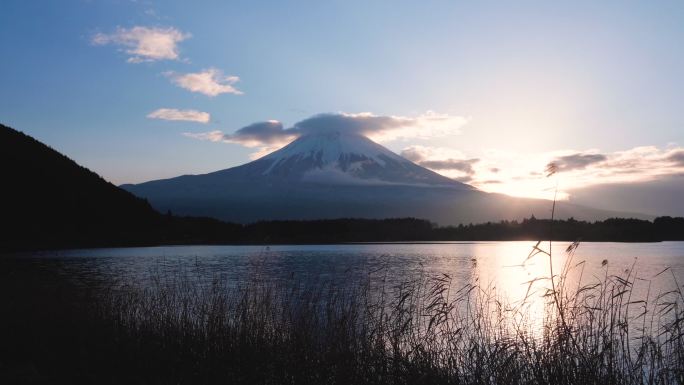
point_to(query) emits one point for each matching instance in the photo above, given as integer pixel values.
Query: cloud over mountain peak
(272, 134)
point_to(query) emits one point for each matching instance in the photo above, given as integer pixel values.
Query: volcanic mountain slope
(336, 158)
(334, 174)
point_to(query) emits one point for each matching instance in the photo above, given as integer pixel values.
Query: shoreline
(23, 252)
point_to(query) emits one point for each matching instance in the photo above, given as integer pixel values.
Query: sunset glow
(485, 95)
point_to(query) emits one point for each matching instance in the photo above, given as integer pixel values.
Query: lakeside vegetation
(411, 229)
(171, 230)
(424, 330)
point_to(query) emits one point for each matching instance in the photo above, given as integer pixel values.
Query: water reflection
(500, 268)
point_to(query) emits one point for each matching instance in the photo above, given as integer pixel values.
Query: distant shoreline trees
(51, 202)
(173, 230)
(419, 230)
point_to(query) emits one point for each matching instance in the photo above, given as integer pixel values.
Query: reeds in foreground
(423, 330)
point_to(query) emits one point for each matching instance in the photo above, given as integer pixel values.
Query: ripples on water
(604, 323)
(499, 266)
(500, 263)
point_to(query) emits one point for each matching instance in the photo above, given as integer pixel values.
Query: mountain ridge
(332, 174)
(50, 201)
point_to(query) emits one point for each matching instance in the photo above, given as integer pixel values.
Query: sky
(486, 92)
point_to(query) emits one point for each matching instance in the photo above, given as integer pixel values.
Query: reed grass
(184, 330)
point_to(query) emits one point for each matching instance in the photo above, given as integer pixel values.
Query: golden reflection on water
(522, 284)
(500, 269)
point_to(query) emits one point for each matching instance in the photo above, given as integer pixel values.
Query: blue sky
(524, 82)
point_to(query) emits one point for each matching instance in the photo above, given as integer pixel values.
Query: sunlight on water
(499, 269)
(519, 281)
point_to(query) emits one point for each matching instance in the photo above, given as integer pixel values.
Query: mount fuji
(338, 174)
(340, 159)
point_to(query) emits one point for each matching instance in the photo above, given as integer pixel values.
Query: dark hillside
(48, 200)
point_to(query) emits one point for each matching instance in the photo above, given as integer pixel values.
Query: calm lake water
(500, 268)
(500, 265)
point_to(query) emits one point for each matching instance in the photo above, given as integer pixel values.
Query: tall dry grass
(186, 330)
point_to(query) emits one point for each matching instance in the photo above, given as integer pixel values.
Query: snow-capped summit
(338, 174)
(336, 157)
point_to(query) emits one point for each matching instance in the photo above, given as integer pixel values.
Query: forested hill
(48, 200)
(410, 229)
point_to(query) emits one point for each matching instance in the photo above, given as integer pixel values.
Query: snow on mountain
(342, 158)
(335, 174)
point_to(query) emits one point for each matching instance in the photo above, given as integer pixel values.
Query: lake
(504, 275)
(502, 266)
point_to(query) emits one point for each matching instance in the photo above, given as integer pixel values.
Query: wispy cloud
(272, 134)
(676, 157)
(266, 136)
(577, 161)
(522, 174)
(269, 133)
(449, 162)
(210, 82)
(212, 136)
(145, 43)
(183, 115)
(384, 128)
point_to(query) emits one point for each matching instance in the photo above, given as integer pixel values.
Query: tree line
(419, 230)
(49, 201)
